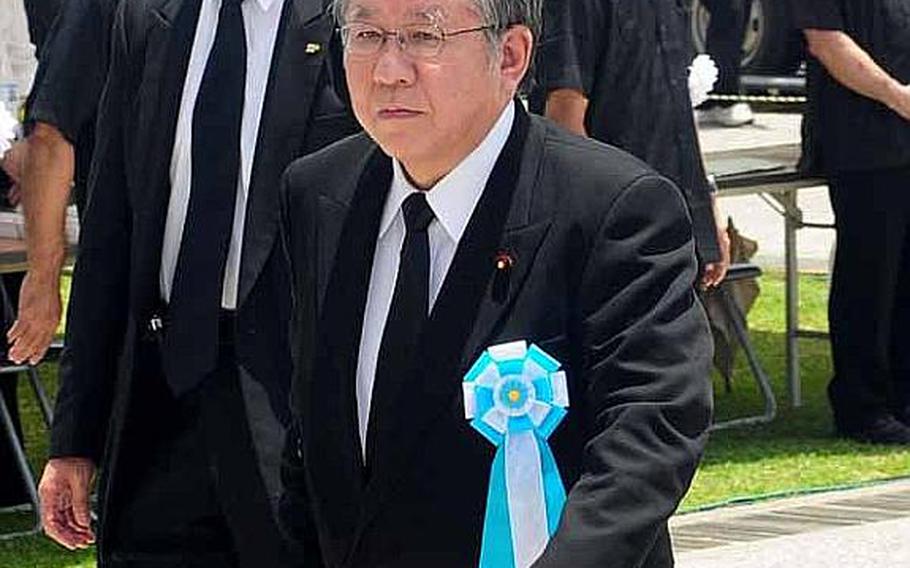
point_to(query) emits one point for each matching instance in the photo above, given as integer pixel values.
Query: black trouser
(187, 490)
(726, 30)
(12, 486)
(869, 310)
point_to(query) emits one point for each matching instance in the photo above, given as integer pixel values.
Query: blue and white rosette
(516, 396)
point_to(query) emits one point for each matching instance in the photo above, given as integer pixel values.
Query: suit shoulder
(589, 161)
(585, 178)
(332, 171)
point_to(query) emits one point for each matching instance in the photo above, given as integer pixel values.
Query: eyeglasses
(420, 41)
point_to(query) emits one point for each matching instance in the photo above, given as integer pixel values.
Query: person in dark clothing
(857, 132)
(60, 117)
(604, 77)
(40, 15)
(459, 227)
(724, 42)
(176, 371)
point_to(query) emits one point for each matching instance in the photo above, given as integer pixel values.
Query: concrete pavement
(845, 529)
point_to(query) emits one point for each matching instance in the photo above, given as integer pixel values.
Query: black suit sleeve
(98, 302)
(647, 354)
(295, 516)
(701, 209)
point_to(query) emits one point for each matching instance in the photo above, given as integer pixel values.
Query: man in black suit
(460, 229)
(176, 371)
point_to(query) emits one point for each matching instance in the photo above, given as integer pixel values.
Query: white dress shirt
(452, 200)
(260, 20)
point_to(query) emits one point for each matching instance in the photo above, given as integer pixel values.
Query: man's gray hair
(499, 14)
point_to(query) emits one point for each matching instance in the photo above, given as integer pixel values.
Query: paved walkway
(755, 218)
(849, 529)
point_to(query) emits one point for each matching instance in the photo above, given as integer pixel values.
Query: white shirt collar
(264, 5)
(454, 197)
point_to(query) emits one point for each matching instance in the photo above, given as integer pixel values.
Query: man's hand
(47, 173)
(14, 160)
(38, 317)
(14, 195)
(714, 272)
(64, 492)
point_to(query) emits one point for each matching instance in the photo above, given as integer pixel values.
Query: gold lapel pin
(504, 260)
(312, 48)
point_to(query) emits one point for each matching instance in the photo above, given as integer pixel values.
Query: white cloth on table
(17, 54)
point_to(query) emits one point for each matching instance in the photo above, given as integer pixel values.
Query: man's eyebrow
(432, 13)
(359, 11)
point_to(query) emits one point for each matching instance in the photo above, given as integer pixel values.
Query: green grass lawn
(796, 453)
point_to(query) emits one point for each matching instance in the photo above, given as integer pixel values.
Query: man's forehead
(429, 10)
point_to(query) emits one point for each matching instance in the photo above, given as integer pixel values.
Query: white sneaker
(738, 114)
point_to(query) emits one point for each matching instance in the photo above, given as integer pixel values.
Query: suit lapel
(167, 57)
(469, 281)
(520, 244)
(330, 407)
(294, 79)
(168, 44)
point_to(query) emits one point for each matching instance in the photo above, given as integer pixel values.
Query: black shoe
(884, 430)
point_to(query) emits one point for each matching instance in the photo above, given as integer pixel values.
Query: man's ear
(516, 49)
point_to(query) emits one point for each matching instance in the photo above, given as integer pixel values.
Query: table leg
(792, 221)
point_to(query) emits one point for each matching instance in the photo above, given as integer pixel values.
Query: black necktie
(190, 345)
(407, 314)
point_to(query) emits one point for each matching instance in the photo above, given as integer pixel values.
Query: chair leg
(7, 423)
(43, 401)
(764, 383)
(22, 464)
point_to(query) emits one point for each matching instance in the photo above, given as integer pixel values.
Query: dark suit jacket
(116, 281)
(602, 279)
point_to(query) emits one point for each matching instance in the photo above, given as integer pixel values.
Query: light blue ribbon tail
(515, 396)
(554, 491)
(496, 548)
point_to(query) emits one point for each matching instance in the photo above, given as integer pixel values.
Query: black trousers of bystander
(869, 309)
(724, 40)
